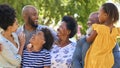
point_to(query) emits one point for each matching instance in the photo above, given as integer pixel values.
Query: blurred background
(51, 11)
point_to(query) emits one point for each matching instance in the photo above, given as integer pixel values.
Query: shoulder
(118, 30)
(45, 50)
(41, 26)
(20, 29)
(2, 38)
(73, 43)
(14, 34)
(95, 25)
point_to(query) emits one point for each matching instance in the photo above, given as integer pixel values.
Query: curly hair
(48, 38)
(7, 16)
(71, 25)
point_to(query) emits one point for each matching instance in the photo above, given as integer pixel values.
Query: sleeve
(119, 32)
(47, 59)
(95, 27)
(9, 56)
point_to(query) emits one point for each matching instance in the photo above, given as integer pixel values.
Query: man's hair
(26, 8)
(7, 16)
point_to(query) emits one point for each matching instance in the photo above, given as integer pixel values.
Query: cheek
(100, 18)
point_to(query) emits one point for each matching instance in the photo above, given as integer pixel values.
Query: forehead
(39, 33)
(32, 10)
(101, 10)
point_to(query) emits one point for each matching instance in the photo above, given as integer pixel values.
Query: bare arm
(92, 36)
(22, 42)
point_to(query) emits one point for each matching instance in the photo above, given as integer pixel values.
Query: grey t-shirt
(29, 34)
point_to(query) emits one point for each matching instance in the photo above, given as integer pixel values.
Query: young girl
(38, 54)
(104, 38)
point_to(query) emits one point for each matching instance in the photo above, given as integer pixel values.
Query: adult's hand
(21, 37)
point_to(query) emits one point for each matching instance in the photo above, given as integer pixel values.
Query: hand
(29, 47)
(21, 37)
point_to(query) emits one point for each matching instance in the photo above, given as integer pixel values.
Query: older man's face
(92, 19)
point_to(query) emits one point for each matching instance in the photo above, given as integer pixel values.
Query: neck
(36, 48)
(109, 24)
(63, 42)
(29, 27)
(7, 33)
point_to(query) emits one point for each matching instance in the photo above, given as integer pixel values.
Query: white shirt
(61, 57)
(8, 56)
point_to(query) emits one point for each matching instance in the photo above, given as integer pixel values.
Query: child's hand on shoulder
(29, 47)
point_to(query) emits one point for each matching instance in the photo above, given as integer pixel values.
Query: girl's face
(62, 31)
(102, 16)
(37, 39)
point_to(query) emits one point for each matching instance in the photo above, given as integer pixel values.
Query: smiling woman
(63, 48)
(10, 56)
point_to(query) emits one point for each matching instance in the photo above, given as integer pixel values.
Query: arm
(21, 37)
(9, 56)
(92, 36)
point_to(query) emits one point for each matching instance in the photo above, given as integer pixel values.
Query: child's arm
(92, 36)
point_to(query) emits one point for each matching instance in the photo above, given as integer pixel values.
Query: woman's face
(62, 31)
(37, 39)
(14, 26)
(102, 15)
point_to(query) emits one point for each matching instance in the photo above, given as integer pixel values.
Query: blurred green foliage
(51, 11)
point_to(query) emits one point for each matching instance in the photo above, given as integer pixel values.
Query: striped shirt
(36, 59)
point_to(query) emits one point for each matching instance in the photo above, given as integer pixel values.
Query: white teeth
(36, 20)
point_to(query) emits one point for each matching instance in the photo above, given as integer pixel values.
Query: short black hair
(112, 12)
(7, 16)
(48, 38)
(71, 25)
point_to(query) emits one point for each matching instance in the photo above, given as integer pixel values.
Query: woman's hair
(7, 16)
(48, 38)
(111, 11)
(71, 25)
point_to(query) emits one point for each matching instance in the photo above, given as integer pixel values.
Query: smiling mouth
(36, 21)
